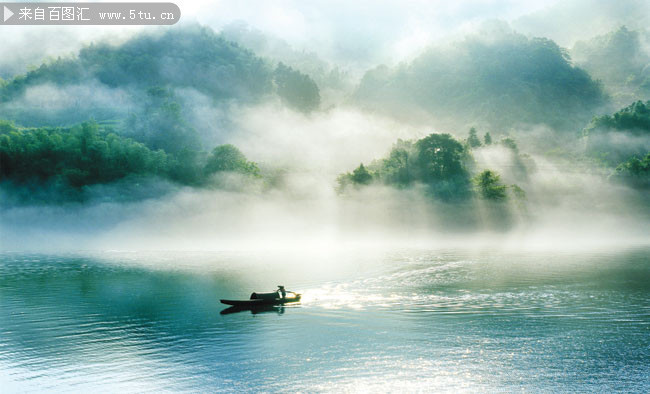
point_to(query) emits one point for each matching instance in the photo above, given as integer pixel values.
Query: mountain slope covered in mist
(622, 140)
(621, 59)
(567, 22)
(324, 73)
(500, 80)
(193, 57)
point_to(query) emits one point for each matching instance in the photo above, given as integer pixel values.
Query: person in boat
(282, 292)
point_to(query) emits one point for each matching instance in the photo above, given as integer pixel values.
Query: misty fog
(375, 84)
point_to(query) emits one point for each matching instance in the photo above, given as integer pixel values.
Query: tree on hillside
(361, 176)
(439, 157)
(489, 186)
(397, 169)
(473, 140)
(227, 158)
(487, 139)
(635, 171)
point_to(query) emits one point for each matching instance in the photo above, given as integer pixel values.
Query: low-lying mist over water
(459, 191)
(297, 195)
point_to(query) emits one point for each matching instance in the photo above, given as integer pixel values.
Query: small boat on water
(278, 297)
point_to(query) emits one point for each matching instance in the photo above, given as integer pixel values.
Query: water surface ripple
(402, 320)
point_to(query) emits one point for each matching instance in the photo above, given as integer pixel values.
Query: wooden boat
(278, 297)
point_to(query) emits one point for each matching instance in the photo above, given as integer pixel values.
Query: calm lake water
(398, 320)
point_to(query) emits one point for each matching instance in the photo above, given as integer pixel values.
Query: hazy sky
(362, 32)
(359, 30)
(352, 33)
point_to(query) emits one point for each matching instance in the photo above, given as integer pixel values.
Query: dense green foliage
(361, 176)
(296, 89)
(489, 186)
(499, 81)
(445, 167)
(439, 158)
(634, 118)
(78, 156)
(634, 171)
(227, 158)
(85, 155)
(437, 161)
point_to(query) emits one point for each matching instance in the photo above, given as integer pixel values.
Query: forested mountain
(138, 91)
(147, 128)
(191, 57)
(621, 59)
(326, 75)
(500, 80)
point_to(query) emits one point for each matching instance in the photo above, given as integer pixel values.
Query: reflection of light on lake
(336, 297)
(409, 321)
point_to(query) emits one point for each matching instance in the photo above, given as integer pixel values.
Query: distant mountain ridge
(499, 81)
(191, 57)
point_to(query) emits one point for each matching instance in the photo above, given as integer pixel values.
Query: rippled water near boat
(412, 320)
